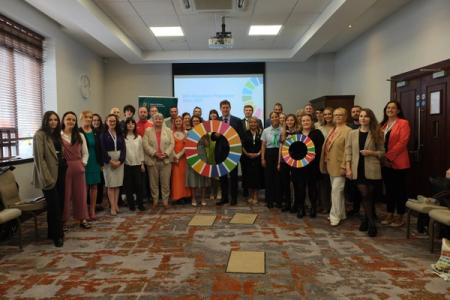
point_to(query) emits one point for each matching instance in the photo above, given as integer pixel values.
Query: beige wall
(295, 83)
(124, 82)
(65, 60)
(413, 37)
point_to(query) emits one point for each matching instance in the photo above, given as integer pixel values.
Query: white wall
(415, 36)
(65, 61)
(293, 84)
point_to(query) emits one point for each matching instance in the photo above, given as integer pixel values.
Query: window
(21, 92)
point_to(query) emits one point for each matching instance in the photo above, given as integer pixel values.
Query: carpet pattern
(155, 255)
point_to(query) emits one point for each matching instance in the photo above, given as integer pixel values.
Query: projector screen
(206, 91)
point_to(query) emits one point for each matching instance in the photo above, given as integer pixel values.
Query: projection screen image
(206, 91)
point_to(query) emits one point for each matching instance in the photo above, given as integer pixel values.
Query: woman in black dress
(308, 175)
(290, 128)
(251, 142)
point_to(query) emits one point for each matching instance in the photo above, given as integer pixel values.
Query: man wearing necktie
(248, 113)
(221, 152)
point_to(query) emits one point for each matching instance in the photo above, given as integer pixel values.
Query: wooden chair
(439, 217)
(10, 214)
(9, 195)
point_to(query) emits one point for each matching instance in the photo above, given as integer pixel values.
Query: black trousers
(285, 184)
(352, 194)
(244, 168)
(133, 184)
(367, 192)
(303, 179)
(395, 183)
(271, 176)
(55, 206)
(224, 185)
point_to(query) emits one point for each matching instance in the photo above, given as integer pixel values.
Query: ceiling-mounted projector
(221, 40)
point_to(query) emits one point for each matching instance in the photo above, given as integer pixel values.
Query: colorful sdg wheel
(202, 167)
(310, 151)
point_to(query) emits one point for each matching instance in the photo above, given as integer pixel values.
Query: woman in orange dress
(179, 190)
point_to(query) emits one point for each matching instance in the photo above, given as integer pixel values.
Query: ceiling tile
(169, 44)
(152, 7)
(314, 6)
(268, 7)
(116, 8)
(160, 20)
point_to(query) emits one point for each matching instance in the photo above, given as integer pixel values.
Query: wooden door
(425, 103)
(435, 142)
(409, 98)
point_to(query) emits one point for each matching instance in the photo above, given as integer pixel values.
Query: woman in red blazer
(396, 131)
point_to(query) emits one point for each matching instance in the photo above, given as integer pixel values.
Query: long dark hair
(213, 111)
(56, 133)
(76, 137)
(374, 127)
(101, 127)
(127, 121)
(399, 108)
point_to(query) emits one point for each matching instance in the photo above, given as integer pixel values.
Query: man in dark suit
(278, 108)
(248, 113)
(222, 150)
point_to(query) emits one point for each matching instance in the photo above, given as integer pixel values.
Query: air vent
(214, 6)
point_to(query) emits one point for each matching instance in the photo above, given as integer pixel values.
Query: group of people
(74, 158)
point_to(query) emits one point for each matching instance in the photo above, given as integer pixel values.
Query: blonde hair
(253, 118)
(343, 110)
(85, 113)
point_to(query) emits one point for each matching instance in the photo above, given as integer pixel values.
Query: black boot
(313, 211)
(364, 226)
(286, 207)
(372, 231)
(301, 213)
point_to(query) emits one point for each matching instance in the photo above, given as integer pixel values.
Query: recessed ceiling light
(349, 25)
(167, 31)
(264, 29)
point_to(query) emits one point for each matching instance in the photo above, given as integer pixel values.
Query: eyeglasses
(338, 115)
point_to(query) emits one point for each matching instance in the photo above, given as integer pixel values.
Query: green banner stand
(163, 103)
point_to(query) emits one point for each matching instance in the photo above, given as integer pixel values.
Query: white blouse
(84, 148)
(134, 150)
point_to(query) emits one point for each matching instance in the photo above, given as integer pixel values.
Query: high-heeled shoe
(113, 212)
(84, 224)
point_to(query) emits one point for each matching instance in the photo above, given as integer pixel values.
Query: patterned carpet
(155, 255)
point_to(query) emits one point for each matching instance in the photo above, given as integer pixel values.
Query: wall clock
(85, 86)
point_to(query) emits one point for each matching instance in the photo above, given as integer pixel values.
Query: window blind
(21, 84)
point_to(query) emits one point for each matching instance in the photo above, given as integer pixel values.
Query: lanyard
(276, 137)
(114, 138)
